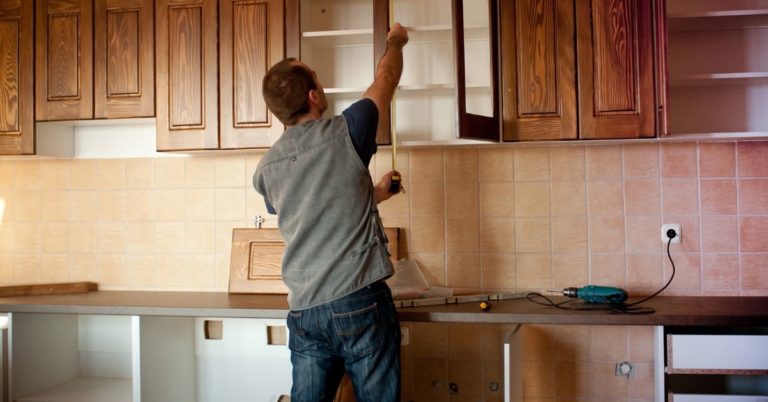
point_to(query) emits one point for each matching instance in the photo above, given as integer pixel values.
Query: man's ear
(314, 98)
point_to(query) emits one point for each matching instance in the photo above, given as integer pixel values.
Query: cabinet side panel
(167, 359)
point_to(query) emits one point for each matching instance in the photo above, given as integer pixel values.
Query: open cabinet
(342, 40)
(718, 67)
(73, 358)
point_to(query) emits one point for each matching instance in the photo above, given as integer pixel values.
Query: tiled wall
(476, 219)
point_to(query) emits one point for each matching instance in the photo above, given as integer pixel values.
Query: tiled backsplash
(475, 218)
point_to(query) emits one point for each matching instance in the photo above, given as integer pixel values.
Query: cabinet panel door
(17, 126)
(186, 74)
(615, 59)
(64, 59)
(538, 70)
(251, 41)
(124, 59)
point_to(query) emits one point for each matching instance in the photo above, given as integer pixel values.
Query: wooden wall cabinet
(17, 126)
(94, 60)
(209, 97)
(578, 69)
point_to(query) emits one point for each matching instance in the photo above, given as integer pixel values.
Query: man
(316, 179)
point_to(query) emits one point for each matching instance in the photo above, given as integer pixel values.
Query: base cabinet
(105, 358)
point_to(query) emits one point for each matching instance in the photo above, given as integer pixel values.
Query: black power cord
(620, 308)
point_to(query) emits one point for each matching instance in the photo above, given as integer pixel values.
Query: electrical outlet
(676, 227)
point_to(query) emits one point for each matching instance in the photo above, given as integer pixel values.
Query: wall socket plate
(676, 226)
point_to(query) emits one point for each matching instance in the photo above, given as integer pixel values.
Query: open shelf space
(85, 389)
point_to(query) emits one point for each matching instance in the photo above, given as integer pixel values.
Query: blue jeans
(358, 334)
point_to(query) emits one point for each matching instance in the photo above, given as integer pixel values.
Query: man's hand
(397, 36)
(381, 190)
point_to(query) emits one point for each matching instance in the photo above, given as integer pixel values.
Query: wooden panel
(256, 260)
(381, 24)
(186, 74)
(48, 289)
(17, 126)
(538, 70)
(616, 76)
(64, 64)
(251, 40)
(124, 60)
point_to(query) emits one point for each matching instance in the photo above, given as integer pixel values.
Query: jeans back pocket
(360, 330)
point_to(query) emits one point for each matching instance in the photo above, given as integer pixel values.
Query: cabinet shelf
(719, 13)
(752, 77)
(85, 389)
(405, 88)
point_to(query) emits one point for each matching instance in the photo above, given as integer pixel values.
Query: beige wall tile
(110, 174)
(432, 266)
(496, 164)
(679, 197)
(139, 270)
(641, 232)
(396, 208)
(462, 236)
(431, 378)
(27, 237)
(531, 164)
(8, 174)
(719, 233)
(463, 271)
(644, 272)
(497, 235)
(605, 385)
(430, 340)
(463, 342)
(754, 276)
(718, 196)
(84, 267)
(640, 343)
(751, 159)
(55, 237)
(493, 374)
(54, 268)
(532, 199)
(383, 164)
(609, 343)
(679, 160)
(461, 165)
(427, 234)
(604, 162)
(573, 380)
(534, 271)
(6, 206)
(753, 234)
(426, 165)
(54, 174)
(199, 172)
(753, 196)
(200, 205)
(569, 198)
(605, 197)
(200, 238)
(538, 341)
(688, 273)
(170, 271)
(109, 238)
(538, 380)
(572, 343)
(230, 171)
(83, 206)
(497, 199)
(112, 270)
(230, 204)
(27, 269)
(140, 173)
(251, 163)
(533, 235)
(569, 270)
(82, 174)
(170, 237)
(170, 205)
(717, 159)
(169, 172)
(81, 237)
(461, 201)
(112, 205)
(641, 384)
(468, 377)
(201, 272)
(54, 206)
(568, 163)
(569, 234)
(27, 206)
(608, 269)
(720, 271)
(642, 197)
(140, 206)
(140, 238)
(222, 271)
(606, 234)
(223, 235)
(427, 198)
(499, 272)
(27, 174)
(494, 336)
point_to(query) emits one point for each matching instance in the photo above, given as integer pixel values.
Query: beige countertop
(669, 310)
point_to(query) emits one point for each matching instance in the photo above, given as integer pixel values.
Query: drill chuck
(597, 294)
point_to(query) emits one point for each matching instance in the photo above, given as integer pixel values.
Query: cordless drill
(597, 294)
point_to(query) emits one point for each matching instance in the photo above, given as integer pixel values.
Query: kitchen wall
(476, 219)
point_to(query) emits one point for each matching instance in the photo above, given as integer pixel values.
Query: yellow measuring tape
(396, 185)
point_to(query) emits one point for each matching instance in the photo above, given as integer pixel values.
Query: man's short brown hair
(286, 87)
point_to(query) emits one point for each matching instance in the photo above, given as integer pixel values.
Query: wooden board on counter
(256, 260)
(48, 289)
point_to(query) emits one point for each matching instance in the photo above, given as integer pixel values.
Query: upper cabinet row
(495, 70)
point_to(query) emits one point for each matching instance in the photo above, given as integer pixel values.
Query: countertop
(669, 310)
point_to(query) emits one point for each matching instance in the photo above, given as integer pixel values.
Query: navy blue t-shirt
(362, 120)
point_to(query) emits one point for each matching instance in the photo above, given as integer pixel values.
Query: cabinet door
(251, 41)
(64, 59)
(124, 59)
(186, 74)
(615, 64)
(538, 70)
(17, 126)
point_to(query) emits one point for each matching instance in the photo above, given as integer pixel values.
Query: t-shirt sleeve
(362, 120)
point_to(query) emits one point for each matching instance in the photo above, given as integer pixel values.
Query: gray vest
(323, 195)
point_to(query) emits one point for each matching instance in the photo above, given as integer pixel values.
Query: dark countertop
(669, 310)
